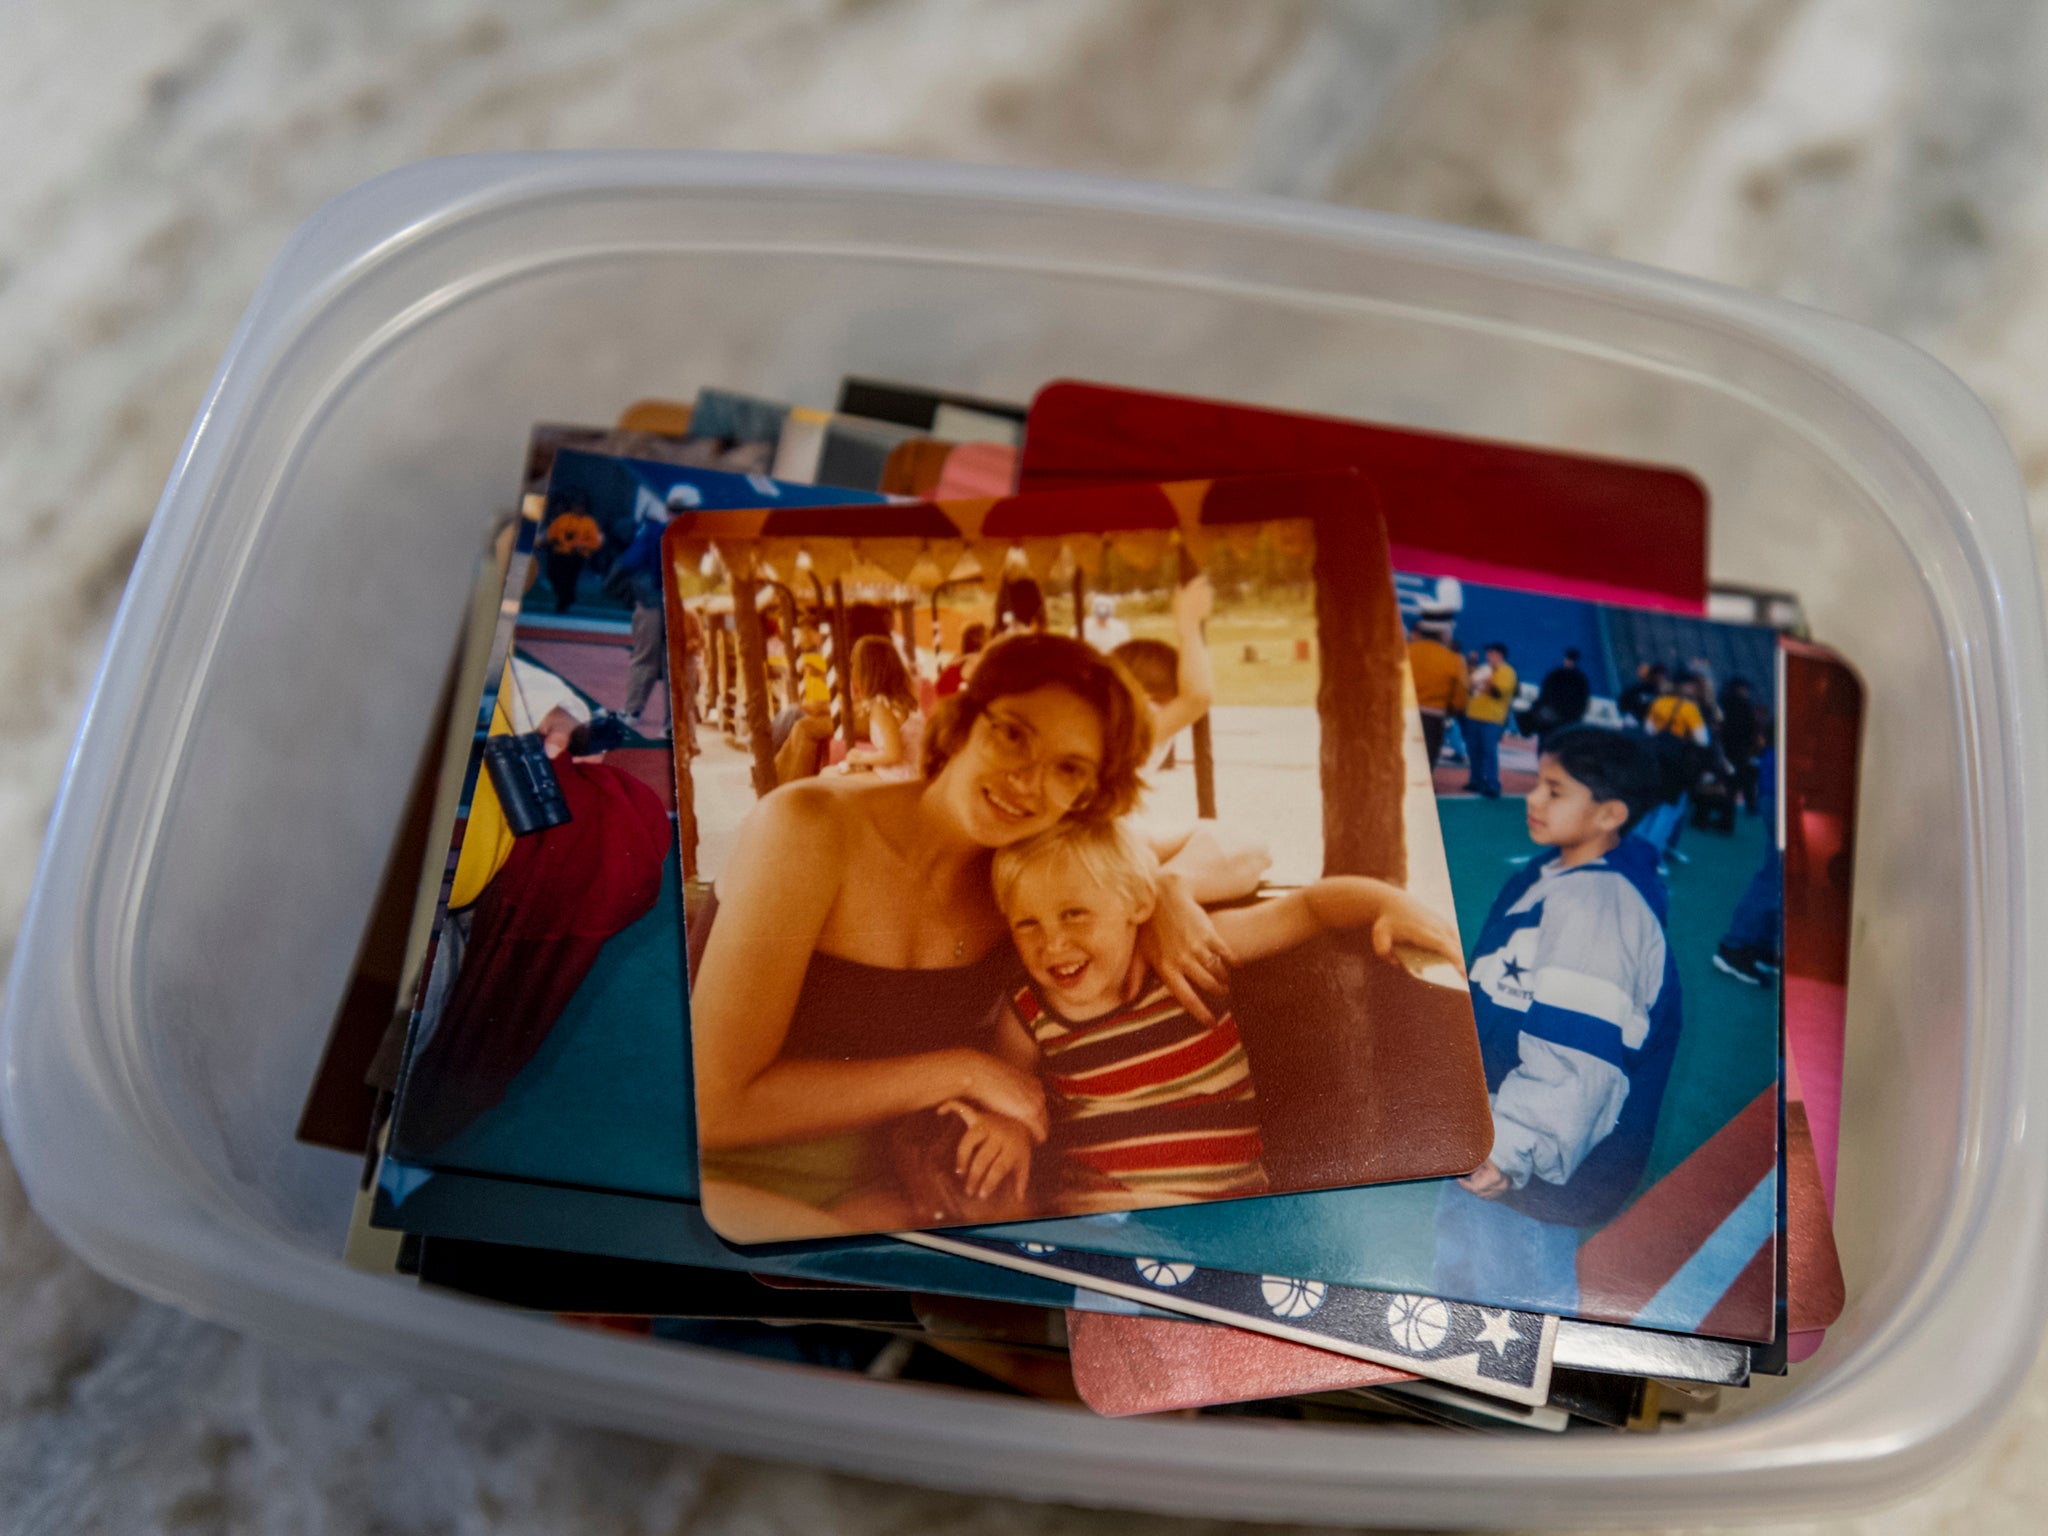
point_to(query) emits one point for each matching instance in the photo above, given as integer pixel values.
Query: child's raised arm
(1195, 676)
(1338, 901)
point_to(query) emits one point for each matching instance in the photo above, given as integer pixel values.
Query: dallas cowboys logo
(1513, 969)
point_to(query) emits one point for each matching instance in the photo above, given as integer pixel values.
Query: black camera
(526, 784)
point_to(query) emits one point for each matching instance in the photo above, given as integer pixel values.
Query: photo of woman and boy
(988, 989)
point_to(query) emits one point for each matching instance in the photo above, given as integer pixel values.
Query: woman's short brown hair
(1025, 663)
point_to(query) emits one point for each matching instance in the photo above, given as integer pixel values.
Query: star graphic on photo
(1498, 1332)
(1513, 969)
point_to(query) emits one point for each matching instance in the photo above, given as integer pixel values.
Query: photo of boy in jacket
(1576, 994)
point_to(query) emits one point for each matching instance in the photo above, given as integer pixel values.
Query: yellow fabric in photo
(1490, 704)
(816, 678)
(575, 534)
(1676, 715)
(487, 843)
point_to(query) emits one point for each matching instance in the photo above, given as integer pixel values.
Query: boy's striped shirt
(1150, 1098)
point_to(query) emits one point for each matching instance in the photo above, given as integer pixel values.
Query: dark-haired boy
(1576, 995)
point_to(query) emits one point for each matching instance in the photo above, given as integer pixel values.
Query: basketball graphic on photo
(1291, 1298)
(1162, 1274)
(1418, 1323)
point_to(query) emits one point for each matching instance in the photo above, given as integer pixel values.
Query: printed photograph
(1625, 978)
(544, 1044)
(1059, 854)
(1607, 780)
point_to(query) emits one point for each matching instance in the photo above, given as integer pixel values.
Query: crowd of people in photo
(894, 685)
(1709, 751)
(626, 561)
(1708, 743)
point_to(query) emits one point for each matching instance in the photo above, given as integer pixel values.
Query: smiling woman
(883, 1041)
(1050, 712)
(849, 992)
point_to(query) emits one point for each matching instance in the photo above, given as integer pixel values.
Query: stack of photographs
(1138, 902)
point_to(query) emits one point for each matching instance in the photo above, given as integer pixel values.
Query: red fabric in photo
(536, 929)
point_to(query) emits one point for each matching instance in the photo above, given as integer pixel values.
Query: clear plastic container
(246, 755)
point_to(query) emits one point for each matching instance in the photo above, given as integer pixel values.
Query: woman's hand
(1404, 920)
(1181, 945)
(993, 1150)
(995, 1085)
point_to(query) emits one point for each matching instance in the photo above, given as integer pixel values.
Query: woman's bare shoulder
(828, 817)
(805, 820)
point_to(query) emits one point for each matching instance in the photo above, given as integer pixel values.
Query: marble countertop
(1879, 158)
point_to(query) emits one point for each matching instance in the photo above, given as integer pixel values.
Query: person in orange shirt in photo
(1441, 689)
(572, 538)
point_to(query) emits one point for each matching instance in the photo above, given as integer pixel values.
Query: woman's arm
(785, 872)
(802, 1100)
(1014, 1043)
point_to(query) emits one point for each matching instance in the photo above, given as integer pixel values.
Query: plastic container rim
(358, 233)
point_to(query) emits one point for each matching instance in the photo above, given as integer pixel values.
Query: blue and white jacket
(1576, 995)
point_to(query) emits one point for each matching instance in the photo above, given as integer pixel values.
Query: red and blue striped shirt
(1157, 1104)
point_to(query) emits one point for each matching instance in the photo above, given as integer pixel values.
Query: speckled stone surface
(1880, 158)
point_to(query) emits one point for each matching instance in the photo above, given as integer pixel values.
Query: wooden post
(785, 601)
(729, 686)
(686, 816)
(699, 712)
(1358, 702)
(831, 609)
(1204, 743)
(1080, 604)
(679, 730)
(754, 673)
(842, 664)
(1205, 769)
(714, 667)
(906, 616)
